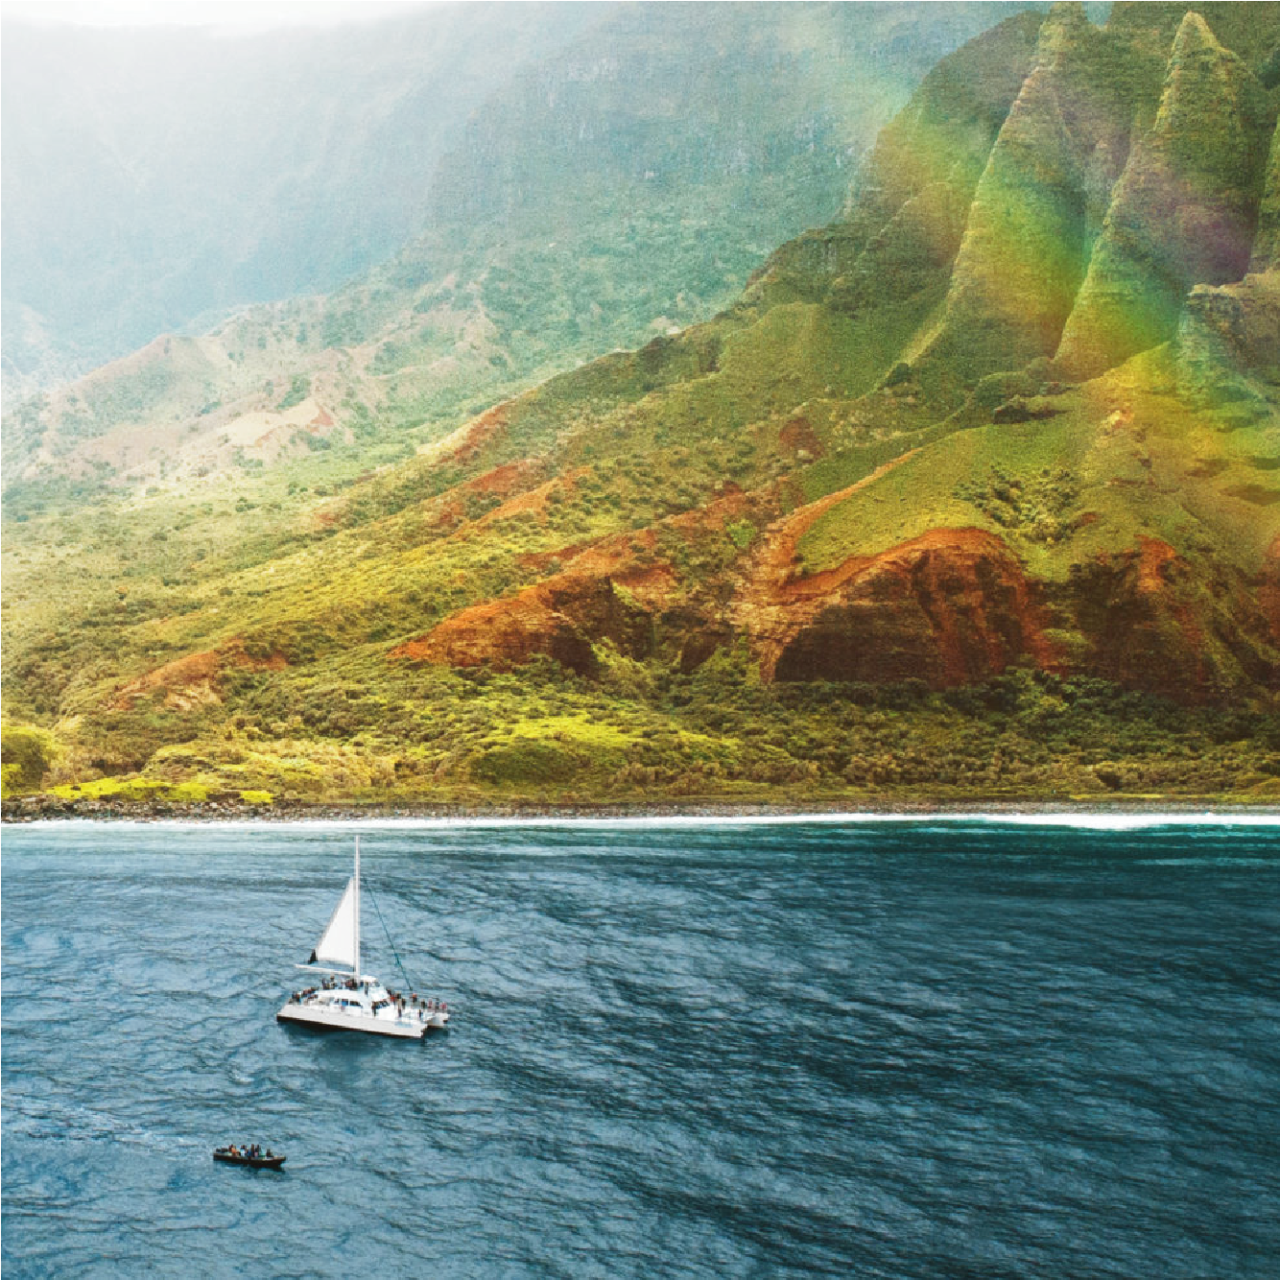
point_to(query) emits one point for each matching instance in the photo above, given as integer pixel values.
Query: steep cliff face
(1229, 346)
(956, 607)
(950, 607)
(1155, 621)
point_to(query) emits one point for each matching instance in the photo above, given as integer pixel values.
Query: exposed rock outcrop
(1155, 622)
(561, 618)
(1229, 346)
(949, 608)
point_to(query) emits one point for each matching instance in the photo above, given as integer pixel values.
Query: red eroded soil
(1157, 563)
(1154, 556)
(480, 433)
(799, 434)
(561, 617)
(629, 559)
(949, 607)
(625, 558)
(508, 479)
(1269, 590)
(193, 679)
(1186, 629)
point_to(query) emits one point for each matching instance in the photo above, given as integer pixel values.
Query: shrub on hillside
(26, 752)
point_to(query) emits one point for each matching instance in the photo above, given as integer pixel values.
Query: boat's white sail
(338, 944)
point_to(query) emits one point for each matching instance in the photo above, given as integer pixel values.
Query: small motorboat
(236, 1155)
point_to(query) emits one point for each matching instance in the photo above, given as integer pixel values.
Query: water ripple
(873, 1049)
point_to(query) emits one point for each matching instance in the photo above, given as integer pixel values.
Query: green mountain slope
(870, 529)
(621, 186)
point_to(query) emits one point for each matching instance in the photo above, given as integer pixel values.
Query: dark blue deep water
(906, 1049)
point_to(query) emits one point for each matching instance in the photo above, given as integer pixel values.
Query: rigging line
(372, 897)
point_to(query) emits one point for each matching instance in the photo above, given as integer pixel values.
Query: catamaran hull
(328, 1019)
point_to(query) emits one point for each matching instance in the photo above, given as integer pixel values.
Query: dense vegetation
(646, 733)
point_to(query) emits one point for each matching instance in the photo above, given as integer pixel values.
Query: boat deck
(365, 1006)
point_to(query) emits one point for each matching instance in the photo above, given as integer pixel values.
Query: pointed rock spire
(1151, 25)
(1193, 37)
(1019, 263)
(1183, 212)
(1064, 28)
(1209, 110)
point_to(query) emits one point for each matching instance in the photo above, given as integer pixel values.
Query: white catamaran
(349, 1000)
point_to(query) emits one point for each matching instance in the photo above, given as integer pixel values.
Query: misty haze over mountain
(159, 176)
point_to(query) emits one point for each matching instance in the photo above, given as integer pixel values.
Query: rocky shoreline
(43, 808)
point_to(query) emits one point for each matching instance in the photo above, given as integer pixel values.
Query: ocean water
(861, 1049)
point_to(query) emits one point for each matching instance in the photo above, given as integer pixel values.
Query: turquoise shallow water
(910, 1049)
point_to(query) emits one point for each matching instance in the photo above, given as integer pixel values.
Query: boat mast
(357, 908)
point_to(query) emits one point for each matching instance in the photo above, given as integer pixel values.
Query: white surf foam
(1095, 820)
